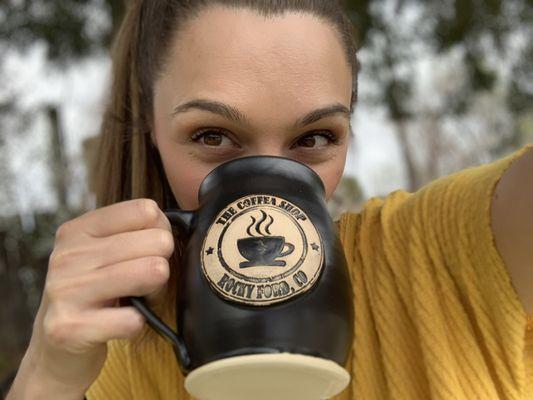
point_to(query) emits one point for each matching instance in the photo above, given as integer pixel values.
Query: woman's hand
(116, 251)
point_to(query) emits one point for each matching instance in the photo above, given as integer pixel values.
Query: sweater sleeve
(437, 315)
(113, 381)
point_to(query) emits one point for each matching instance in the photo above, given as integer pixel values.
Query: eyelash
(330, 136)
(197, 135)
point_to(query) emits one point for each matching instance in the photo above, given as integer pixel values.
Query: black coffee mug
(263, 270)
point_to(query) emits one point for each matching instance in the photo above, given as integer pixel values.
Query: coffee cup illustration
(261, 248)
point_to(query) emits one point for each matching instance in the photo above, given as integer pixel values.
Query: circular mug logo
(262, 250)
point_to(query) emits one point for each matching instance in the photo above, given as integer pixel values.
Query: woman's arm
(32, 384)
(512, 224)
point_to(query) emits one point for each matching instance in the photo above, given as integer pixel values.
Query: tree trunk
(407, 155)
(58, 162)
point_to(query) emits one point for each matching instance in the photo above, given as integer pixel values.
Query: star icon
(315, 246)
(209, 251)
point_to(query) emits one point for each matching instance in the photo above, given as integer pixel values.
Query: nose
(273, 150)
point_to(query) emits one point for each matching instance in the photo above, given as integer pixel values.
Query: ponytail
(128, 166)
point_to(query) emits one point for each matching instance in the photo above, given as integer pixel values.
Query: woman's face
(238, 84)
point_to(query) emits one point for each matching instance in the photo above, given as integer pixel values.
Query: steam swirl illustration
(261, 248)
(258, 225)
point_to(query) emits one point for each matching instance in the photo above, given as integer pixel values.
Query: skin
(512, 224)
(274, 72)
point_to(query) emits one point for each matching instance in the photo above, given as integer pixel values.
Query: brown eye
(315, 140)
(308, 141)
(211, 138)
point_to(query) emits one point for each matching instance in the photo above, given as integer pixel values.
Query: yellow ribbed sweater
(437, 316)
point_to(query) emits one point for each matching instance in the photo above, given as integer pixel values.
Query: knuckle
(51, 290)
(62, 258)
(63, 231)
(158, 269)
(60, 329)
(166, 242)
(55, 258)
(149, 210)
(59, 290)
(55, 290)
(134, 324)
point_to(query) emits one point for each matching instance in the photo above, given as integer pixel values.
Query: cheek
(331, 173)
(184, 183)
(184, 177)
(184, 172)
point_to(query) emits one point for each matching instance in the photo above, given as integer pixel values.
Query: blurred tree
(348, 197)
(70, 28)
(395, 33)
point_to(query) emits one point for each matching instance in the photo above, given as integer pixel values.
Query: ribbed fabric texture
(437, 316)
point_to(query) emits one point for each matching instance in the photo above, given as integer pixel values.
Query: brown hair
(128, 166)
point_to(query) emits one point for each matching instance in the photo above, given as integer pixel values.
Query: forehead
(294, 58)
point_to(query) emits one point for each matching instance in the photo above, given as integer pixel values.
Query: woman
(442, 278)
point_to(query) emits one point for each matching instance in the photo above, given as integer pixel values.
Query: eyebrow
(237, 116)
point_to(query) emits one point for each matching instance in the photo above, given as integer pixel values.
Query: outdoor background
(444, 85)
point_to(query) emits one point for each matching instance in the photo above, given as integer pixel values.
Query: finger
(131, 215)
(100, 252)
(139, 277)
(111, 323)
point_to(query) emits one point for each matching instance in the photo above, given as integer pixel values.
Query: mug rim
(279, 163)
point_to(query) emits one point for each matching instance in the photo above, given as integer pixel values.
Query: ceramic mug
(264, 288)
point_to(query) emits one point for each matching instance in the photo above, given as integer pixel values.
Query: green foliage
(479, 27)
(520, 96)
(70, 29)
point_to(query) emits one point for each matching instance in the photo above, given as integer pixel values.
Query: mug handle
(290, 249)
(183, 220)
